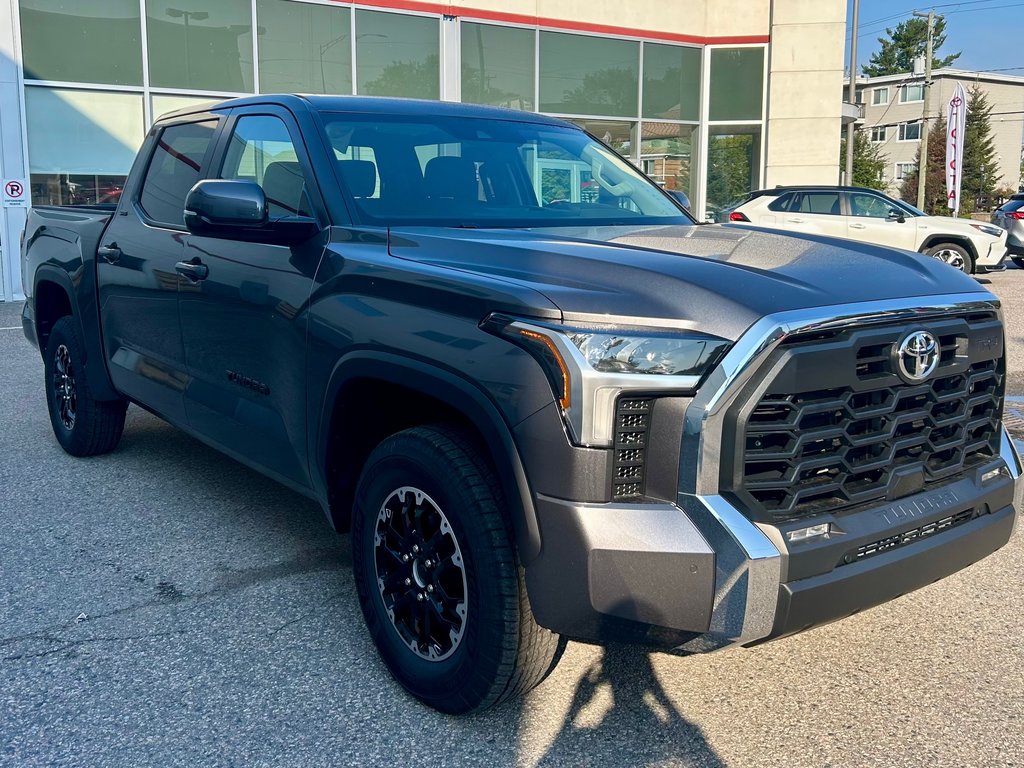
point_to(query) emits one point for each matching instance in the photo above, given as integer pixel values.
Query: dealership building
(711, 97)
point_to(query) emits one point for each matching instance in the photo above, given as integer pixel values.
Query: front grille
(908, 537)
(632, 425)
(838, 428)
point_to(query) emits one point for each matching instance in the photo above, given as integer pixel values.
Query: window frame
(149, 149)
(875, 102)
(883, 134)
(902, 130)
(905, 89)
(902, 164)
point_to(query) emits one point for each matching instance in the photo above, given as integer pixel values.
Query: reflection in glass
(666, 155)
(69, 40)
(398, 55)
(737, 83)
(81, 144)
(200, 45)
(671, 82)
(163, 104)
(497, 65)
(617, 135)
(304, 48)
(734, 164)
(588, 75)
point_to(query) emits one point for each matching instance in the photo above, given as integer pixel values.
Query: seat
(358, 176)
(835, 208)
(285, 188)
(451, 178)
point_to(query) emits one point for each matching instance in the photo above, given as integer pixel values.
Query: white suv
(867, 215)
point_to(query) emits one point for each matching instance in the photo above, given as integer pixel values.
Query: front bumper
(697, 575)
(993, 260)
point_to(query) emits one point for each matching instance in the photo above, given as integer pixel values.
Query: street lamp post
(178, 13)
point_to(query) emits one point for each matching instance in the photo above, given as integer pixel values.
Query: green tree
(406, 78)
(869, 162)
(730, 168)
(935, 175)
(904, 44)
(980, 169)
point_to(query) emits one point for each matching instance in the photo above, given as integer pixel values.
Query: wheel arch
(962, 240)
(369, 396)
(53, 297)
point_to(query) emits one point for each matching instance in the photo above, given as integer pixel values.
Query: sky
(988, 32)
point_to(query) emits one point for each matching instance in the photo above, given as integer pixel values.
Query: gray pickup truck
(546, 404)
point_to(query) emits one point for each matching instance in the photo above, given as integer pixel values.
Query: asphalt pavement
(165, 606)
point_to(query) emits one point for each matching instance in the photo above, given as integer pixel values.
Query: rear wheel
(438, 578)
(955, 255)
(82, 425)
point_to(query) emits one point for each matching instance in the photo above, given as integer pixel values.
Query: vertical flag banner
(956, 115)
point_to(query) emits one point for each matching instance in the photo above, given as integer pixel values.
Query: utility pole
(851, 128)
(922, 165)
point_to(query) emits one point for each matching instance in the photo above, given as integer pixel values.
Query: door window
(869, 206)
(174, 170)
(817, 202)
(261, 150)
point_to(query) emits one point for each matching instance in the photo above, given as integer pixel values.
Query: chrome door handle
(109, 253)
(193, 270)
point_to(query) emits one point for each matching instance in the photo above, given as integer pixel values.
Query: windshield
(474, 172)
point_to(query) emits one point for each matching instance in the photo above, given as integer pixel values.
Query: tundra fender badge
(916, 356)
(249, 383)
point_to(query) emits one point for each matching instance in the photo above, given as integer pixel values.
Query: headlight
(988, 229)
(589, 367)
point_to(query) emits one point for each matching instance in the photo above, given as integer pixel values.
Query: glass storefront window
(69, 40)
(497, 65)
(671, 82)
(585, 75)
(398, 55)
(81, 144)
(617, 135)
(200, 45)
(737, 83)
(162, 104)
(303, 48)
(666, 155)
(734, 165)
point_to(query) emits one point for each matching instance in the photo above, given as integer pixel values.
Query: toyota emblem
(917, 356)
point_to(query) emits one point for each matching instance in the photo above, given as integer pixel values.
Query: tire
(481, 645)
(1018, 260)
(82, 425)
(955, 255)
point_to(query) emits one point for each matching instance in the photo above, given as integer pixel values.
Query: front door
(244, 323)
(138, 284)
(870, 222)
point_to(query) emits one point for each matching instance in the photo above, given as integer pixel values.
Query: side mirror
(896, 215)
(680, 197)
(215, 206)
(237, 210)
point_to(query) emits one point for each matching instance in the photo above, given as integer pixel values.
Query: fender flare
(461, 395)
(89, 326)
(961, 240)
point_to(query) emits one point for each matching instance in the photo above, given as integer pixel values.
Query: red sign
(13, 189)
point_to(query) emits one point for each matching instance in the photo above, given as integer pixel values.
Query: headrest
(451, 177)
(359, 176)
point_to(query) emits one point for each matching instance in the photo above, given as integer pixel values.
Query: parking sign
(15, 193)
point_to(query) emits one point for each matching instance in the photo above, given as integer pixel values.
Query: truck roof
(372, 104)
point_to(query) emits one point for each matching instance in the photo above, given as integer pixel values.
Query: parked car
(1010, 216)
(866, 215)
(586, 419)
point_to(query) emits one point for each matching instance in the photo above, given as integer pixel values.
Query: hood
(717, 279)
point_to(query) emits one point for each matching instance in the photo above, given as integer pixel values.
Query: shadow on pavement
(641, 727)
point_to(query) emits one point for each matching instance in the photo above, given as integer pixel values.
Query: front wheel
(439, 582)
(83, 425)
(1018, 260)
(955, 255)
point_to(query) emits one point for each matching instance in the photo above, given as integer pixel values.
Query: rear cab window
(174, 168)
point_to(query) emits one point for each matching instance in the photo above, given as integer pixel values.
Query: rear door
(244, 324)
(136, 274)
(870, 222)
(815, 212)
